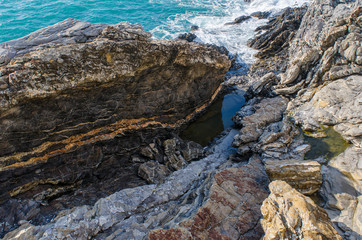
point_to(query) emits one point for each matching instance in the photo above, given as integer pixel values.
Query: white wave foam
(211, 18)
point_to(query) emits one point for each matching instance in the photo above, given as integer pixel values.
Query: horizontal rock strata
(305, 176)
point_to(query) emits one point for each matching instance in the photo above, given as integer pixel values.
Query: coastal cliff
(79, 100)
(307, 79)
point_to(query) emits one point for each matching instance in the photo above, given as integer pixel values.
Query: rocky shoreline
(308, 77)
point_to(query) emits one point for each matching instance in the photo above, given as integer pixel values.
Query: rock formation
(303, 175)
(232, 210)
(288, 214)
(77, 100)
(324, 73)
(308, 75)
(193, 201)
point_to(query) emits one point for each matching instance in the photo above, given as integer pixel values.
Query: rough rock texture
(232, 210)
(325, 47)
(337, 104)
(279, 31)
(305, 176)
(170, 154)
(212, 187)
(69, 31)
(254, 117)
(342, 191)
(288, 214)
(153, 172)
(265, 131)
(79, 109)
(324, 75)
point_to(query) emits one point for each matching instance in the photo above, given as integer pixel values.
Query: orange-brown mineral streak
(74, 142)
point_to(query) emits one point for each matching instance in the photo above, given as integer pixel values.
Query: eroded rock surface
(303, 175)
(342, 191)
(77, 100)
(205, 199)
(289, 214)
(232, 210)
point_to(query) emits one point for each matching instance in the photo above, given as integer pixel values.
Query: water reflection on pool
(216, 119)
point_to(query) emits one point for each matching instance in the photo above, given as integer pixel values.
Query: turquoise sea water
(163, 18)
(21, 17)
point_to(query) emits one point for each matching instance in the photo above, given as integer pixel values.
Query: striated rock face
(324, 74)
(232, 210)
(305, 176)
(278, 32)
(210, 197)
(288, 214)
(84, 97)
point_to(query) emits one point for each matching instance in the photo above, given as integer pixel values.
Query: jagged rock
(254, 117)
(74, 109)
(14, 212)
(153, 172)
(262, 86)
(173, 153)
(320, 50)
(289, 214)
(261, 15)
(131, 213)
(192, 151)
(337, 103)
(303, 175)
(239, 20)
(69, 31)
(232, 211)
(190, 37)
(342, 187)
(174, 158)
(279, 32)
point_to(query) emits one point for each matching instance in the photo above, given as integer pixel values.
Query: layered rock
(83, 98)
(266, 131)
(303, 175)
(325, 75)
(289, 214)
(189, 203)
(232, 210)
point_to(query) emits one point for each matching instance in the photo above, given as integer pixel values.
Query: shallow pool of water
(329, 146)
(216, 119)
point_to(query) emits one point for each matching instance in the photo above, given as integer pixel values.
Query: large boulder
(289, 214)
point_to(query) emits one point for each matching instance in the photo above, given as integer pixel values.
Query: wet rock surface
(285, 217)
